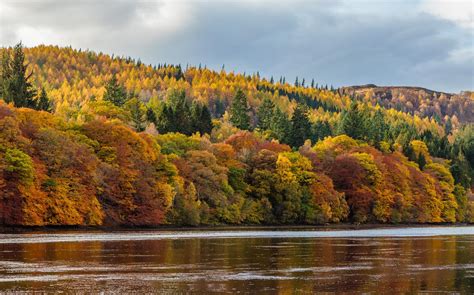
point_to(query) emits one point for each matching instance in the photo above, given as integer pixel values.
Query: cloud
(460, 12)
(337, 42)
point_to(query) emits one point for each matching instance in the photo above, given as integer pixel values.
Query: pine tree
(115, 93)
(151, 116)
(265, 114)
(137, 114)
(44, 103)
(15, 80)
(421, 161)
(352, 123)
(320, 130)
(239, 109)
(300, 126)
(280, 126)
(376, 128)
(201, 119)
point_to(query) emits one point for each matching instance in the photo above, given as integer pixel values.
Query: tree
(201, 118)
(265, 114)
(421, 161)
(19, 166)
(137, 114)
(239, 109)
(320, 130)
(300, 126)
(43, 103)
(280, 126)
(115, 93)
(15, 81)
(151, 116)
(352, 122)
(376, 128)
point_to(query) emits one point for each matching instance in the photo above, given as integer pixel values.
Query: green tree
(43, 103)
(19, 165)
(421, 161)
(376, 128)
(17, 87)
(115, 93)
(137, 114)
(239, 109)
(352, 122)
(280, 126)
(201, 118)
(300, 126)
(265, 114)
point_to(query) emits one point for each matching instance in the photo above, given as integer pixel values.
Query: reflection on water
(264, 264)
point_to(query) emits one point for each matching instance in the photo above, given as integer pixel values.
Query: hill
(418, 101)
(93, 139)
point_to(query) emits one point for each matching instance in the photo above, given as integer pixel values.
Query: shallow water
(395, 260)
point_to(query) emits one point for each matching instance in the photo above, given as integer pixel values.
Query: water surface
(408, 260)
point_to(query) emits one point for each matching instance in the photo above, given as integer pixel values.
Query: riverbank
(326, 227)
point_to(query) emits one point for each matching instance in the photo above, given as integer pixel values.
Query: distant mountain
(418, 101)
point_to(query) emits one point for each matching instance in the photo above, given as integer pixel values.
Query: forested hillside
(93, 139)
(443, 107)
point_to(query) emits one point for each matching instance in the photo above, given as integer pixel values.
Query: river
(257, 261)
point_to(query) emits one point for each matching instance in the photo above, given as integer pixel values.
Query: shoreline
(324, 227)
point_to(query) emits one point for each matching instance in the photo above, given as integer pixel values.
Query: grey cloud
(389, 44)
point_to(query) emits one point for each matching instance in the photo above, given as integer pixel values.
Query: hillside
(93, 139)
(458, 108)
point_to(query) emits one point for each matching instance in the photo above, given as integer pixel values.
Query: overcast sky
(426, 43)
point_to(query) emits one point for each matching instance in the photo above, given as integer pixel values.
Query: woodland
(93, 139)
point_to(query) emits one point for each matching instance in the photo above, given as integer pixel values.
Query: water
(408, 260)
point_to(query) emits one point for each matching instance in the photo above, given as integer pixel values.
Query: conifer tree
(352, 123)
(137, 114)
(115, 93)
(43, 103)
(300, 126)
(16, 87)
(280, 126)
(239, 109)
(265, 114)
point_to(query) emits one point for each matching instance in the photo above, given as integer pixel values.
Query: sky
(427, 43)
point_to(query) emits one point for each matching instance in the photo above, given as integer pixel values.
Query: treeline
(103, 173)
(125, 158)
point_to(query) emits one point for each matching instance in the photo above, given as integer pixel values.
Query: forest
(93, 139)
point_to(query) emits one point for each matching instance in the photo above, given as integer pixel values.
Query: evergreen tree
(352, 123)
(312, 83)
(320, 130)
(280, 126)
(115, 93)
(43, 103)
(15, 81)
(239, 109)
(376, 128)
(421, 161)
(201, 118)
(151, 116)
(265, 114)
(137, 112)
(300, 126)
(180, 120)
